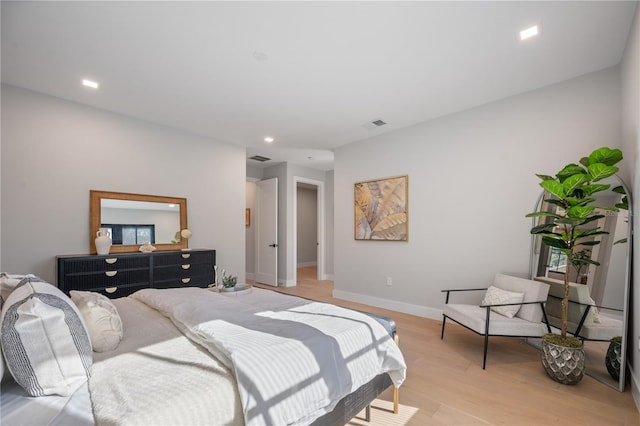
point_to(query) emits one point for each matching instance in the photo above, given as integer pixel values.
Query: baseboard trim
(286, 283)
(635, 387)
(329, 277)
(407, 308)
(307, 264)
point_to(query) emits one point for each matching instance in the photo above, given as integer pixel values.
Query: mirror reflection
(600, 279)
(136, 219)
(140, 222)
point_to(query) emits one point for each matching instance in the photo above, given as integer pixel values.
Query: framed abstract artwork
(382, 209)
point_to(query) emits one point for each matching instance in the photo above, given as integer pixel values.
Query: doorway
(308, 228)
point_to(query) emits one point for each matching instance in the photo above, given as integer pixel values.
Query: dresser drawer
(182, 271)
(107, 263)
(184, 258)
(121, 291)
(101, 279)
(195, 281)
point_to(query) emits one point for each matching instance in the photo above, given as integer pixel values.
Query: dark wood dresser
(120, 274)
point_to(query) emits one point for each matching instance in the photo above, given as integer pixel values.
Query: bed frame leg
(395, 400)
(367, 413)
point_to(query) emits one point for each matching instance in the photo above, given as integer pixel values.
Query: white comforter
(293, 359)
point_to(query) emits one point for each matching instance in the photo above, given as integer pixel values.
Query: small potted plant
(228, 281)
(569, 228)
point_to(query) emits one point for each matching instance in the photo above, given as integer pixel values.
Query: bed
(195, 356)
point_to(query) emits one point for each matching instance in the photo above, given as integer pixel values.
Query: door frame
(321, 251)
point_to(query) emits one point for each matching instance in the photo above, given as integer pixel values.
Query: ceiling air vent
(374, 124)
(259, 158)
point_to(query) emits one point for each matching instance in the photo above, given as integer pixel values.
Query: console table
(120, 274)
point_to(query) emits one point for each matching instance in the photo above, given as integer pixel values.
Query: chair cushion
(578, 293)
(604, 330)
(533, 291)
(474, 317)
(496, 296)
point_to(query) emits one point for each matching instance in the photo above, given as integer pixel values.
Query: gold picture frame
(382, 209)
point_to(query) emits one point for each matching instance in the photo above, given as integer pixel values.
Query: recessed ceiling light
(89, 83)
(268, 139)
(529, 32)
(260, 56)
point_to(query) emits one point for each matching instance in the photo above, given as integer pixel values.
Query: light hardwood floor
(446, 384)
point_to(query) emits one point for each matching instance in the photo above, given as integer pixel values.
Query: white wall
(307, 227)
(630, 71)
(471, 183)
(55, 151)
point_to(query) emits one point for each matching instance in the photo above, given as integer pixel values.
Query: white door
(266, 237)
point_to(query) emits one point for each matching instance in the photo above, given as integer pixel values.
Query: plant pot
(612, 359)
(225, 289)
(563, 364)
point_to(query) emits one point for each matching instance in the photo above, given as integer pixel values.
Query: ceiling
(313, 75)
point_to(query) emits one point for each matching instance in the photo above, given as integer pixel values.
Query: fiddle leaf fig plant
(571, 226)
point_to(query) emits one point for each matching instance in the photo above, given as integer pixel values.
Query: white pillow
(497, 296)
(8, 282)
(44, 340)
(101, 318)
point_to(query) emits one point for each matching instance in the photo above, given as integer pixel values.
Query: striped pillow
(44, 340)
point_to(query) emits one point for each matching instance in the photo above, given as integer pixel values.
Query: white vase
(103, 241)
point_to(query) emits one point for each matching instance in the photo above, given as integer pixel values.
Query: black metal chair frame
(486, 329)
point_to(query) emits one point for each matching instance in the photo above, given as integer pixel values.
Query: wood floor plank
(446, 384)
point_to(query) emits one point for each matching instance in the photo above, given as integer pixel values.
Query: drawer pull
(186, 255)
(111, 289)
(185, 267)
(111, 260)
(185, 280)
(110, 273)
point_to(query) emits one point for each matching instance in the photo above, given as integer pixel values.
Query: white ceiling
(310, 74)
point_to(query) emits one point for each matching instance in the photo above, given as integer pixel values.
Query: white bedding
(287, 371)
(20, 409)
(158, 376)
(130, 386)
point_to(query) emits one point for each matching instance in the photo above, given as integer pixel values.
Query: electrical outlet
(389, 281)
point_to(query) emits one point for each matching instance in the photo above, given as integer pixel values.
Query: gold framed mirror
(136, 219)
